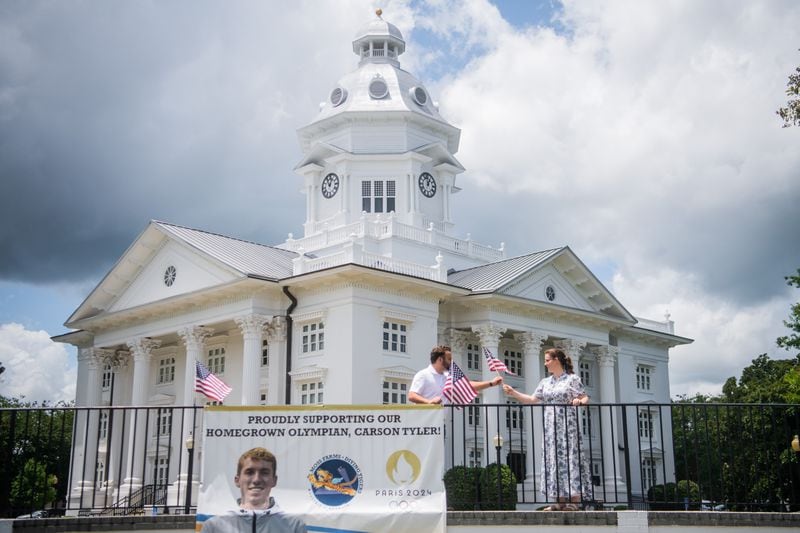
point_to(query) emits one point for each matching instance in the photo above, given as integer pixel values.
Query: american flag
(207, 383)
(495, 364)
(457, 387)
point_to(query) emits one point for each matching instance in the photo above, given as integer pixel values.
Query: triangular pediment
(555, 277)
(174, 269)
(564, 280)
(140, 276)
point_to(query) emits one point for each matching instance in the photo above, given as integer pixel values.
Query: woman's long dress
(565, 471)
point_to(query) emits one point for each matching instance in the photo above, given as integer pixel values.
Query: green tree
(791, 113)
(33, 487)
(793, 339)
(30, 431)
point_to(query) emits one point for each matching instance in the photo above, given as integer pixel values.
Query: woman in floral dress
(566, 478)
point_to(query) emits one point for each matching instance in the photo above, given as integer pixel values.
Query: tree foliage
(793, 339)
(791, 113)
(35, 442)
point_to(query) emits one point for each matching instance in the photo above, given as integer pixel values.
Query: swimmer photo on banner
(322, 468)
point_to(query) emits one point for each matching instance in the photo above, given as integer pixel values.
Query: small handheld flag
(208, 384)
(495, 364)
(457, 387)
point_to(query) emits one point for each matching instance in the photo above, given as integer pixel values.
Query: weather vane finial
(379, 12)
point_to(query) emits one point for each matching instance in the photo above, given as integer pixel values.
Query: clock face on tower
(330, 185)
(427, 185)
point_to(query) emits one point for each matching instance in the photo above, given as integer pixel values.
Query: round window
(550, 292)
(169, 276)
(378, 88)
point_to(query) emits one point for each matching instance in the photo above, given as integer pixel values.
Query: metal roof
(247, 257)
(492, 277)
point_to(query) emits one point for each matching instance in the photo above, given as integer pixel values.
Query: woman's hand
(508, 389)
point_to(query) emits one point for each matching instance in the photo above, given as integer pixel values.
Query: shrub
(507, 497)
(673, 496)
(462, 486)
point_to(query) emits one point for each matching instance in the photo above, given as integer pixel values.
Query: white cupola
(378, 153)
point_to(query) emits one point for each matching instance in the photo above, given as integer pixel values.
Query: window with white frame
(162, 471)
(264, 353)
(108, 374)
(586, 422)
(262, 397)
(513, 360)
(103, 424)
(311, 393)
(212, 403)
(474, 413)
(643, 373)
(99, 473)
(513, 415)
(378, 196)
(649, 472)
(475, 457)
(394, 337)
(313, 338)
(164, 421)
(646, 424)
(395, 391)
(216, 360)
(166, 370)
(474, 356)
(596, 471)
(586, 373)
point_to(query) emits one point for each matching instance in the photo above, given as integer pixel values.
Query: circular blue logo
(334, 480)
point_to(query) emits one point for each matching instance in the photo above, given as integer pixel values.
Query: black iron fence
(705, 457)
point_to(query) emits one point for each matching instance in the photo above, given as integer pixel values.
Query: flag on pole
(207, 383)
(457, 387)
(495, 364)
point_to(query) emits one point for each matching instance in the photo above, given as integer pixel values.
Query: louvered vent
(419, 95)
(338, 96)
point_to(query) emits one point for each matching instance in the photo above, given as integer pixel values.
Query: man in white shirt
(428, 383)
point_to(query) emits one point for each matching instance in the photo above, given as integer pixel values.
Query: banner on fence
(339, 468)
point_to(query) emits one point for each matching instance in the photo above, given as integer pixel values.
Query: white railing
(666, 326)
(381, 228)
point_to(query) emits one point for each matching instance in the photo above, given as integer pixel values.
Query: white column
(252, 327)
(489, 335)
(606, 359)
(532, 347)
(193, 338)
(85, 444)
(458, 341)
(119, 362)
(276, 372)
(141, 349)
(573, 348)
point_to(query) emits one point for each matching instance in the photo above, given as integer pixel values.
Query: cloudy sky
(641, 134)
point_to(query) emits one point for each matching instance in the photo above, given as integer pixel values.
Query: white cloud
(37, 369)
(727, 336)
(644, 136)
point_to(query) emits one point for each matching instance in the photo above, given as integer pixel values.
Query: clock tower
(378, 164)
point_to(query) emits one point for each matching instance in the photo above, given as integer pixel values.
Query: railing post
(627, 453)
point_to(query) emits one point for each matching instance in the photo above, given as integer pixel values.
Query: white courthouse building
(349, 311)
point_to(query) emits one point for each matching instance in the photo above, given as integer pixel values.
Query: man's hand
(497, 381)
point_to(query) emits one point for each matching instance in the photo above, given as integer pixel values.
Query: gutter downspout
(289, 344)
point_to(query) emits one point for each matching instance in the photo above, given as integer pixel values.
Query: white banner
(339, 468)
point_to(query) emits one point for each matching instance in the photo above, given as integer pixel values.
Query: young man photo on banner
(256, 476)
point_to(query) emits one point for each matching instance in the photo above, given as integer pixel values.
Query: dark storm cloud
(115, 113)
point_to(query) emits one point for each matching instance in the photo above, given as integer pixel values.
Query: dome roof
(378, 30)
(378, 27)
